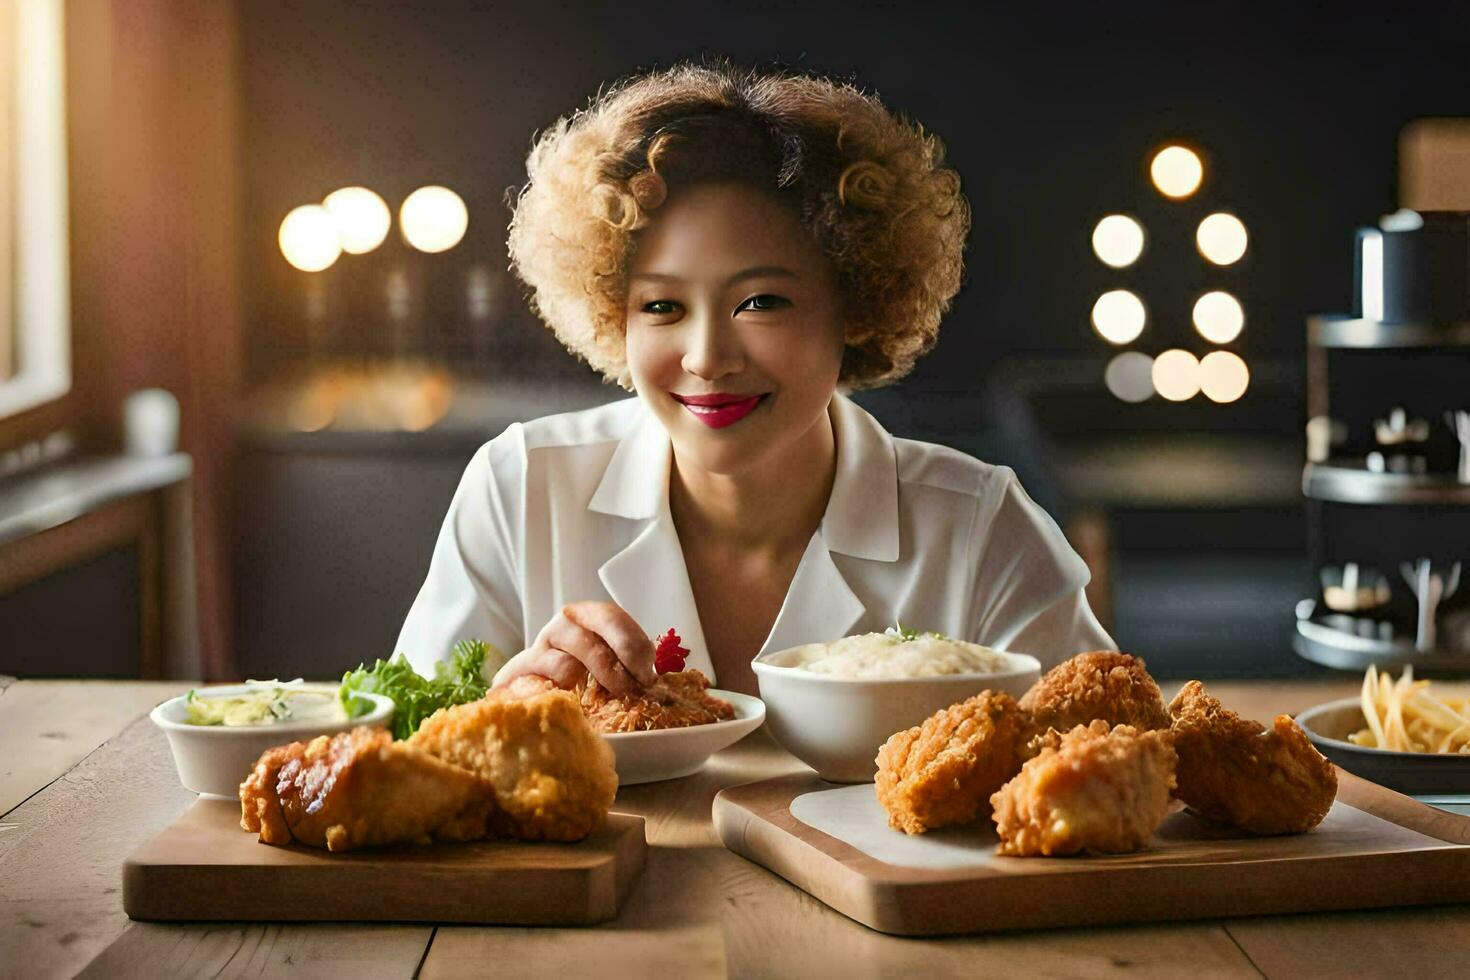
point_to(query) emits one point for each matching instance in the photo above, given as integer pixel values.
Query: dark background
(1050, 113)
(199, 127)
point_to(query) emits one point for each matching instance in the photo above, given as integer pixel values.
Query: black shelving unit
(1331, 638)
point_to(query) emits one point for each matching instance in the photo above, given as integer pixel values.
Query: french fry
(1403, 716)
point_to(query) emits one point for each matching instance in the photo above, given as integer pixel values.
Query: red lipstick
(719, 411)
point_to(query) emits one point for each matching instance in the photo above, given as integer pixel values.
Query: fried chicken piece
(359, 788)
(1115, 687)
(553, 775)
(676, 700)
(943, 771)
(1232, 770)
(1092, 789)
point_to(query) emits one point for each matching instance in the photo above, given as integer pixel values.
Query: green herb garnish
(899, 632)
(458, 680)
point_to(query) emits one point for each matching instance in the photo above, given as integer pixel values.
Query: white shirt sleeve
(472, 589)
(1029, 582)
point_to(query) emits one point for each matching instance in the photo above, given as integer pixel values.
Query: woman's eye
(659, 307)
(764, 302)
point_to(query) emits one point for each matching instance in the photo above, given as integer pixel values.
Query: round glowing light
(1176, 171)
(1221, 238)
(1118, 240)
(1223, 376)
(433, 219)
(1119, 316)
(1129, 376)
(1218, 317)
(1176, 375)
(361, 218)
(308, 238)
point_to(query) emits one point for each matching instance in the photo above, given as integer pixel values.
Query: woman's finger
(594, 653)
(557, 666)
(621, 632)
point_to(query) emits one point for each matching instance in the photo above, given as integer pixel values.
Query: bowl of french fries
(1408, 734)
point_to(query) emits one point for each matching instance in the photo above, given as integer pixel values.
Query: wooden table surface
(85, 778)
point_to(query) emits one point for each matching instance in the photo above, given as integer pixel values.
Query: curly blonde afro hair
(869, 185)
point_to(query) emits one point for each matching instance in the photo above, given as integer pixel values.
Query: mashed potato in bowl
(892, 655)
(833, 704)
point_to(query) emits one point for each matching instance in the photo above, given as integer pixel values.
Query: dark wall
(1050, 114)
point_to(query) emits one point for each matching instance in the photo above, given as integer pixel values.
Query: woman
(737, 249)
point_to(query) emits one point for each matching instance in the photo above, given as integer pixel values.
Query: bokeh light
(433, 219)
(1176, 171)
(1119, 316)
(1129, 376)
(308, 238)
(1118, 240)
(1222, 238)
(1218, 317)
(1223, 376)
(1176, 375)
(362, 218)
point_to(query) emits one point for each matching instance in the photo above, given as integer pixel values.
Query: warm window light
(1129, 376)
(361, 217)
(1223, 376)
(1218, 317)
(308, 238)
(1176, 375)
(1221, 238)
(1118, 240)
(433, 219)
(1176, 171)
(1119, 316)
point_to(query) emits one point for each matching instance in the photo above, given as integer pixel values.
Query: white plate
(646, 757)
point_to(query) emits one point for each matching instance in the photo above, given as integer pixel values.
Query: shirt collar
(862, 513)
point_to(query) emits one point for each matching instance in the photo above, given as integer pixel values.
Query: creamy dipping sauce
(265, 703)
(888, 656)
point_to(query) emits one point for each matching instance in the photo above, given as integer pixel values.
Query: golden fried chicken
(1234, 771)
(943, 771)
(1091, 789)
(675, 700)
(553, 775)
(361, 789)
(1115, 687)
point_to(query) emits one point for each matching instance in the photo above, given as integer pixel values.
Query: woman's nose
(712, 349)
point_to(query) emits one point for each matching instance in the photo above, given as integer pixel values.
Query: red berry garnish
(669, 656)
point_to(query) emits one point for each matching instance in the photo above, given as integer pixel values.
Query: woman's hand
(597, 638)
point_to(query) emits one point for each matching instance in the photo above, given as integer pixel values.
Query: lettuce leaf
(458, 680)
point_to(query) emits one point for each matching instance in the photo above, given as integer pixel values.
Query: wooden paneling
(1434, 165)
(154, 148)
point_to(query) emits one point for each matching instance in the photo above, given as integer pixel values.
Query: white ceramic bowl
(668, 753)
(836, 724)
(213, 760)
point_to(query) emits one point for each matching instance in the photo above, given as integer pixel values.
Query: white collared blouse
(576, 507)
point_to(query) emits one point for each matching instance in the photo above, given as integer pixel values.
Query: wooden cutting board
(1375, 849)
(204, 867)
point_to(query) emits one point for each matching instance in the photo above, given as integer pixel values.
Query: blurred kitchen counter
(1210, 471)
(344, 478)
(112, 536)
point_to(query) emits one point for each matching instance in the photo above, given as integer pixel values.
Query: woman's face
(734, 325)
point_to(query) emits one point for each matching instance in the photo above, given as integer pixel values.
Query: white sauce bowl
(213, 760)
(836, 724)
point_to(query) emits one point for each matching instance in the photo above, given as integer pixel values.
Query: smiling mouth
(719, 411)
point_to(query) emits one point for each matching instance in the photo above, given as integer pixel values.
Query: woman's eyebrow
(759, 271)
